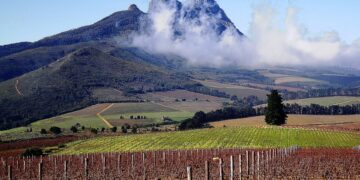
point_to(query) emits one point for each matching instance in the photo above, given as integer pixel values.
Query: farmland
(240, 91)
(287, 163)
(319, 121)
(327, 101)
(215, 138)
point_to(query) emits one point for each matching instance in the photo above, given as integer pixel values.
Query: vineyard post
(118, 164)
(252, 162)
(154, 159)
(258, 164)
(17, 164)
(132, 164)
(221, 168)
(188, 170)
(240, 166)
(231, 167)
(247, 163)
(40, 170)
(9, 172)
(86, 168)
(207, 177)
(24, 165)
(65, 170)
(104, 164)
(144, 167)
(164, 158)
(55, 164)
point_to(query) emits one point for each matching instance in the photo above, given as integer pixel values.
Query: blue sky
(31, 20)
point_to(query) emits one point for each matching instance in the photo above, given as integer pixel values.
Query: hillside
(119, 24)
(69, 84)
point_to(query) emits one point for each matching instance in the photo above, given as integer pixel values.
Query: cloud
(169, 31)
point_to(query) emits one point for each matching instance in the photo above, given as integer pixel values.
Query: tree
(43, 131)
(55, 130)
(94, 131)
(275, 113)
(124, 129)
(32, 152)
(74, 129)
(134, 129)
(114, 129)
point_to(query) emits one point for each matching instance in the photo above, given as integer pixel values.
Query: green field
(215, 138)
(88, 117)
(327, 101)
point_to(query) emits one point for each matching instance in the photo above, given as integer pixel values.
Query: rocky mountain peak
(133, 7)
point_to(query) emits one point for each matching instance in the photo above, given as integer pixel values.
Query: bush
(43, 131)
(94, 131)
(124, 129)
(32, 152)
(134, 129)
(61, 146)
(114, 129)
(55, 130)
(74, 129)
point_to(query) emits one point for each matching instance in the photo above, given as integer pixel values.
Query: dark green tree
(74, 129)
(43, 131)
(55, 130)
(275, 113)
(124, 129)
(114, 129)
(32, 152)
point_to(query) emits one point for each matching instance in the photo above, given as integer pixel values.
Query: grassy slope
(68, 84)
(293, 120)
(215, 138)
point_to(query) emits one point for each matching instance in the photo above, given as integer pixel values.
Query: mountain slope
(120, 24)
(69, 83)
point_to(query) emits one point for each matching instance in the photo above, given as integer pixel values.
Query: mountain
(93, 64)
(119, 24)
(195, 12)
(75, 81)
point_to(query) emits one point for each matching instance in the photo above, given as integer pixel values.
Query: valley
(179, 92)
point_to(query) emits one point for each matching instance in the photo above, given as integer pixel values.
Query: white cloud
(267, 45)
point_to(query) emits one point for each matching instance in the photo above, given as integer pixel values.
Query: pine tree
(275, 114)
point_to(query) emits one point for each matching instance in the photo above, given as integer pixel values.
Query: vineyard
(293, 162)
(215, 138)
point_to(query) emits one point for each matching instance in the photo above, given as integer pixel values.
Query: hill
(120, 24)
(69, 84)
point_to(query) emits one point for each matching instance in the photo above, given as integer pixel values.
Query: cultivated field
(285, 78)
(287, 163)
(351, 122)
(327, 101)
(216, 138)
(240, 91)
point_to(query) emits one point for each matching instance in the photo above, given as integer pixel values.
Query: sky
(31, 20)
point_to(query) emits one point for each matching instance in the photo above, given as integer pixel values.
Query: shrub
(32, 152)
(124, 129)
(55, 130)
(43, 131)
(114, 129)
(74, 129)
(94, 131)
